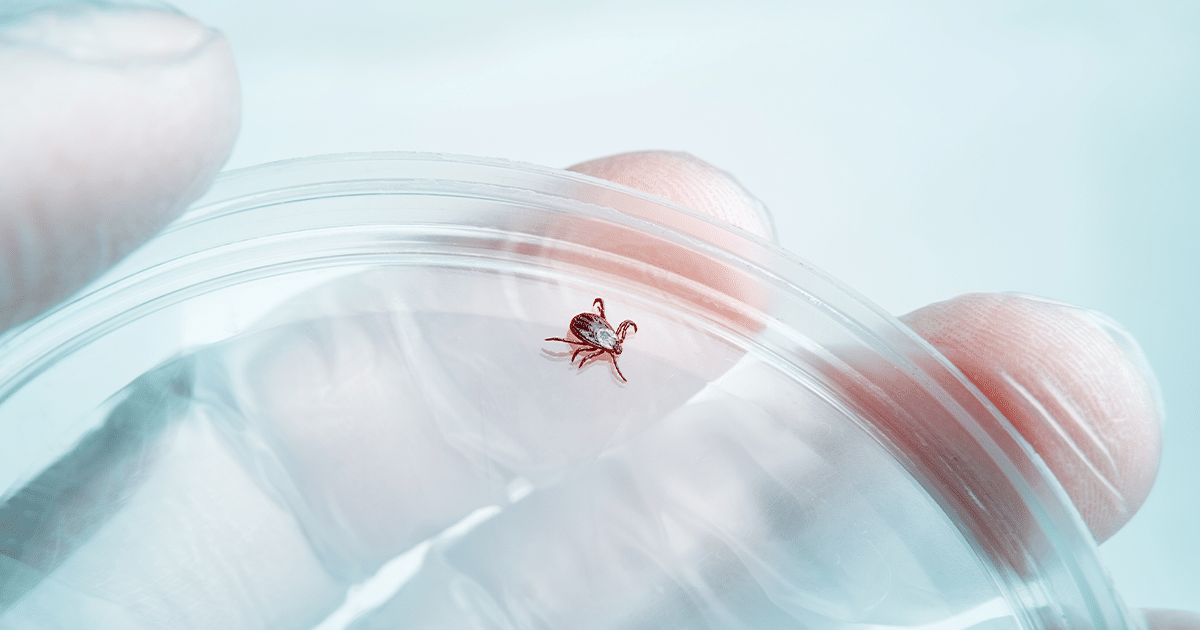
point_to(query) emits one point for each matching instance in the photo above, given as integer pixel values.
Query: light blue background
(915, 150)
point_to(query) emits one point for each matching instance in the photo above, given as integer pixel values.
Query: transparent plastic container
(331, 376)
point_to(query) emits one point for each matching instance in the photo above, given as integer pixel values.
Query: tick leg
(581, 350)
(564, 340)
(619, 370)
(590, 357)
(600, 303)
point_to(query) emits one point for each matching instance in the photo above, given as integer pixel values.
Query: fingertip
(686, 180)
(1071, 381)
(124, 117)
(690, 182)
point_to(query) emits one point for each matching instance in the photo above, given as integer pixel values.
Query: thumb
(114, 120)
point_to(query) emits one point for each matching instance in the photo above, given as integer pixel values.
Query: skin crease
(124, 137)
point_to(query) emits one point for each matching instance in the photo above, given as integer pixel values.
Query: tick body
(595, 336)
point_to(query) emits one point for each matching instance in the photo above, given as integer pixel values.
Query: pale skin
(79, 189)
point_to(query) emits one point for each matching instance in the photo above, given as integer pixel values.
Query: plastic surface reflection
(325, 400)
(387, 406)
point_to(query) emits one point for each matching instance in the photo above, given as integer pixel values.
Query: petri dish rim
(1043, 557)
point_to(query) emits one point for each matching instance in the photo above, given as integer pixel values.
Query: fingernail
(113, 35)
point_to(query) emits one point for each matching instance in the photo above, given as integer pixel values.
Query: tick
(597, 336)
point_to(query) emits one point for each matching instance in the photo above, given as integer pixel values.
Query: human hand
(112, 121)
(1106, 499)
(1033, 358)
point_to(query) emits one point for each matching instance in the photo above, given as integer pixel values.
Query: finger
(687, 181)
(113, 121)
(1162, 619)
(1071, 381)
(167, 532)
(757, 487)
(705, 282)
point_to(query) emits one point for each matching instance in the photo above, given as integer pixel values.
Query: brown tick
(595, 334)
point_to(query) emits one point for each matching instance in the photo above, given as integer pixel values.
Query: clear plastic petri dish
(361, 370)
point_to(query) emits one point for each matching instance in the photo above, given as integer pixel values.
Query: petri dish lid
(505, 255)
